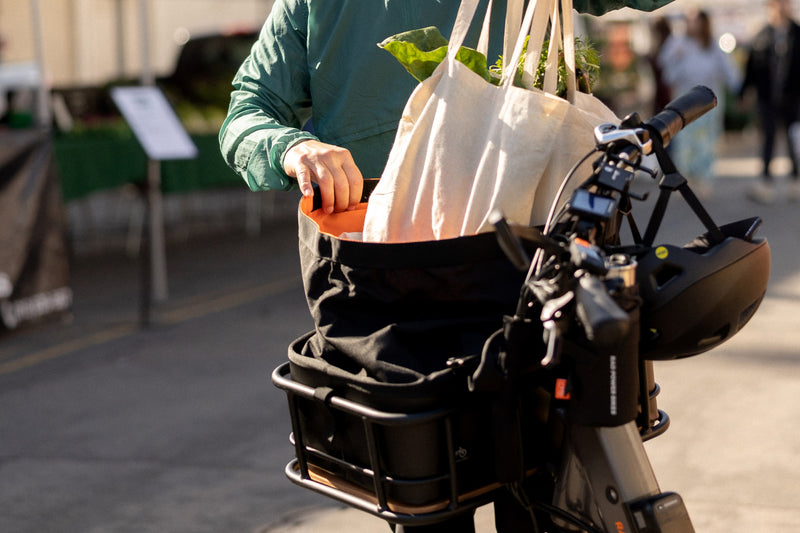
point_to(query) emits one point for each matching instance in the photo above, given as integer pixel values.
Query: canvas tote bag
(465, 146)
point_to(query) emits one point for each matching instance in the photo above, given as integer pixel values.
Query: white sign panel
(154, 123)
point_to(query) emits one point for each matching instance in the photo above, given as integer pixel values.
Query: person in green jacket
(317, 100)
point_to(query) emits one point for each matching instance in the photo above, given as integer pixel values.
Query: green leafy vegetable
(421, 51)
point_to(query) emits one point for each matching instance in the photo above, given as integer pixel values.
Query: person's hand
(331, 167)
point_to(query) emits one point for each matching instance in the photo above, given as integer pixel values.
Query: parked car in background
(198, 87)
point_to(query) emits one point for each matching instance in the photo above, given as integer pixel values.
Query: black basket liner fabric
(389, 320)
(417, 427)
(411, 451)
(390, 316)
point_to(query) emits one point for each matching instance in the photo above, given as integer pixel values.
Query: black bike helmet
(697, 297)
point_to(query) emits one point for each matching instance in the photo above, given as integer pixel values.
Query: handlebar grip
(603, 320)
(681, 112)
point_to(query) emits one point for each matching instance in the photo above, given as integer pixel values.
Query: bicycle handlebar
(681, 112)
(603, 320)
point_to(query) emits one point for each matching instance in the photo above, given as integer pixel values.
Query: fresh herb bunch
(587, 67)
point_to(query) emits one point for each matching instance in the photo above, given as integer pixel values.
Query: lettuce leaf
(421, 51)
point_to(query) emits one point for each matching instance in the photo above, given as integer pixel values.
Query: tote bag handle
(534, 28)
(465, 16)
(569, 48)
(512, 23)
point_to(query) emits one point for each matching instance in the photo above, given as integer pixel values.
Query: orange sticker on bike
(561, 389)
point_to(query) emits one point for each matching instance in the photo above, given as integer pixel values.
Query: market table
(94, 161)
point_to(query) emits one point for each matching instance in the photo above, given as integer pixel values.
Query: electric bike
(554, 409)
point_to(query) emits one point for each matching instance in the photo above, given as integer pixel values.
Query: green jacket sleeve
(265, 119)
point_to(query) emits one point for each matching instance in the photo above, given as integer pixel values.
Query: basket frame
(303, 472)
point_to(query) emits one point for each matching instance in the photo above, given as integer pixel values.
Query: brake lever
(510, 240)
(606, 134)
(551, 312)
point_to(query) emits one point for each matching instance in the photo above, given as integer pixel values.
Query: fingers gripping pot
(698, 296)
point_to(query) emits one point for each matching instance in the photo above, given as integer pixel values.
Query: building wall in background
(85, 41)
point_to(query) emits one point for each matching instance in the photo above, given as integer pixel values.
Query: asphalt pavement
(108, 426)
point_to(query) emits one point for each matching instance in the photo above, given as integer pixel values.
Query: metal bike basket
(405, 467)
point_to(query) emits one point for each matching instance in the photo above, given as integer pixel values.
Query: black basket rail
(305, 471)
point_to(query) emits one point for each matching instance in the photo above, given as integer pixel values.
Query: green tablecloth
(93, 162)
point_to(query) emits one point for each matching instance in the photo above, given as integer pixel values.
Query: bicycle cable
(531, 506)
(538, 257)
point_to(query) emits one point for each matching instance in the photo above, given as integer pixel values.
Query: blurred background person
(773, 71)
(660, 31)
(687, 61)
(625, 80)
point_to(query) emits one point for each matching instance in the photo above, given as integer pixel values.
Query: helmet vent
(720, 335)
(665, 274)
(748, 312)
